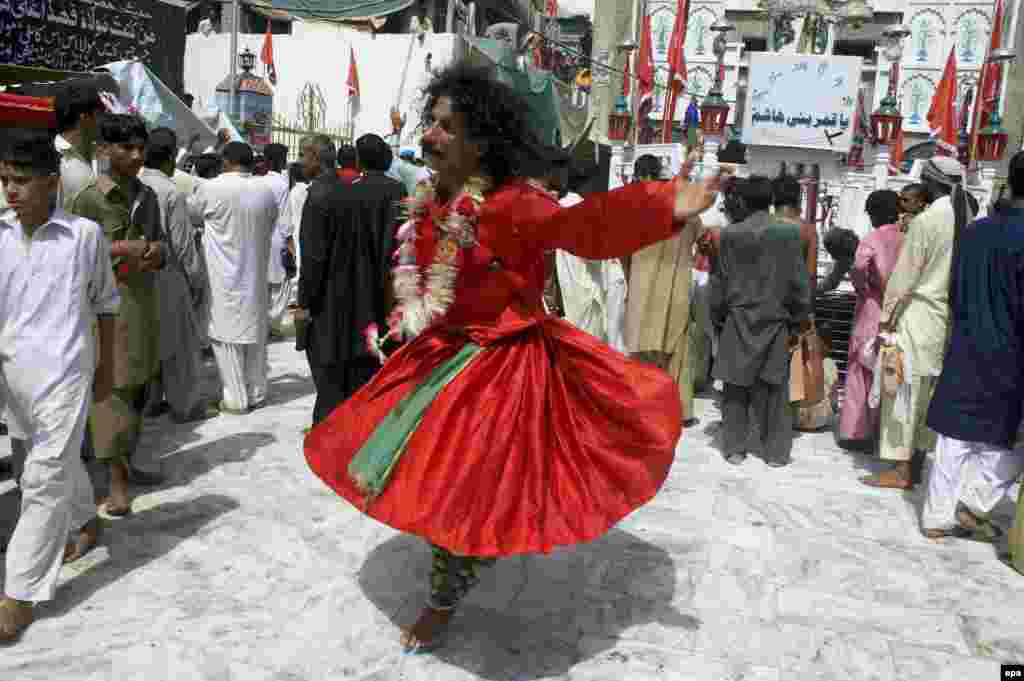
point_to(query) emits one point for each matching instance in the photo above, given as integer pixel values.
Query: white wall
(318, 52)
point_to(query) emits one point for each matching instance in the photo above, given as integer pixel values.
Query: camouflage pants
(452, 577)
(116, 423)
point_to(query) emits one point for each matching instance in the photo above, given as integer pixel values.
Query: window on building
(755, 44)
(855, 48)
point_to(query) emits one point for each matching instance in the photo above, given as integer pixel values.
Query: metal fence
(290, 134)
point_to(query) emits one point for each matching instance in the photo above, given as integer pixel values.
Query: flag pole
(232, 106)
(636, 91)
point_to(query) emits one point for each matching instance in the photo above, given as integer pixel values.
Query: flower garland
(424, 295)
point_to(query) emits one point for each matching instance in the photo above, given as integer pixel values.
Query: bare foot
(86, 540)
(119, 503)
(15, 617)
(426, 633)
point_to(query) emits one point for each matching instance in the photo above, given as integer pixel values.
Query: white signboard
(801, 100)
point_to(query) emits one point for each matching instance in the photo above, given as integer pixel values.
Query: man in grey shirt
(78, 107)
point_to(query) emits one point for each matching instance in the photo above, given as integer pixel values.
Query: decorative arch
(971, 30)
(917, 96)
(663, 19)
(699, 81)
(927, 29)
(698, 32)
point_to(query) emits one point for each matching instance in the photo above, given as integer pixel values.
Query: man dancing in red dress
(496, 429)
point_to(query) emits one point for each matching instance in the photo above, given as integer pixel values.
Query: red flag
(676, 68)
(989, 82)
(942, 113)
(993, 76)
(896, 155)
(267, 56)
(552, 8)
(353, 74)
(645, 64)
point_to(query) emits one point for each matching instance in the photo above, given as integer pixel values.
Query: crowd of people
(488, 309)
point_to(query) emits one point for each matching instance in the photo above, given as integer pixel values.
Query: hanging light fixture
(993, 137)
(886, 121)
(247, 59)
(714, 110)
(620, 121)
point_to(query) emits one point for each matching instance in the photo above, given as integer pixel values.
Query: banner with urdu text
(801, 100)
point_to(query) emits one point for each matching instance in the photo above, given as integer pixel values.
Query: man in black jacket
(347, 240)
(760, 295)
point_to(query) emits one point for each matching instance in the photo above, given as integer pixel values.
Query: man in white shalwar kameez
(239, 213)
(979, 399)
(593, 292)
(47, 366)
(280, 285)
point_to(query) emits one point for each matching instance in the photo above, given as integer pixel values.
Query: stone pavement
(244, 567)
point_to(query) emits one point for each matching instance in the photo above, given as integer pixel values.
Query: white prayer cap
(948, 166)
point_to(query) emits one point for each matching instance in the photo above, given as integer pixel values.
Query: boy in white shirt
(55, 280)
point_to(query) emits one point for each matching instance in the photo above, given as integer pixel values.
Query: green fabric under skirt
(373, 464)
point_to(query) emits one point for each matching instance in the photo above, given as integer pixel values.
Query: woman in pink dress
(874, 262)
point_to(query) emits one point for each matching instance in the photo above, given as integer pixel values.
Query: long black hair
(494, 116)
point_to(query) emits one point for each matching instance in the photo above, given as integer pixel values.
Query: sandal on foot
(412, 645)
(955, 532)
(225, 409)
(977, 528)
(87, 539)
(115, 511)
(883, 481)
(15, 618)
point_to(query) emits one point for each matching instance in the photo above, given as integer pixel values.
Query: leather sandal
(15, 618)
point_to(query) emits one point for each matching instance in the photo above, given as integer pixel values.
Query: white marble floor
(244, 567)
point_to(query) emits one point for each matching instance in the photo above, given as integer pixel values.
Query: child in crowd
(821, 414)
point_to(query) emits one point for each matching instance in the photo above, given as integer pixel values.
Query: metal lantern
(886, 124)
(992, 142)
(714, 114)
(992, 139)
(248, 59)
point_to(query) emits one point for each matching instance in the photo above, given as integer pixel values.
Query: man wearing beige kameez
(658, 300)
(916, 313)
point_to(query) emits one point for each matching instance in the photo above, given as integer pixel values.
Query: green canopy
(535, 86)
(341, 10)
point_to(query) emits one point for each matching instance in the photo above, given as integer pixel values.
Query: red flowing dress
(548, 437)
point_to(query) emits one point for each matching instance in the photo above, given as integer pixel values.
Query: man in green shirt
(129, 213)
(78, 107)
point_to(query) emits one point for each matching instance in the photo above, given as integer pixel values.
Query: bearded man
(498, 429)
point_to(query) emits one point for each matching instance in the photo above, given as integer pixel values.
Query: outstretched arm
(620, 222)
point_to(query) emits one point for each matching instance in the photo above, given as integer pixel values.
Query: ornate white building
(936, 28)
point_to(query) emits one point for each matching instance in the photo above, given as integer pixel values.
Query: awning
(341, 10)
(12, 73)
(26, 112)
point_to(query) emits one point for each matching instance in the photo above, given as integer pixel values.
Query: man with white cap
(916, 315)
